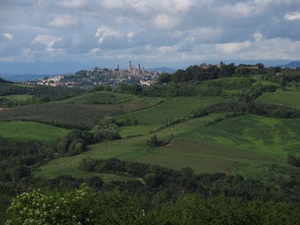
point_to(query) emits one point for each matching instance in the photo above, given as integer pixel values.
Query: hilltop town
(140, 75)
(104, 76)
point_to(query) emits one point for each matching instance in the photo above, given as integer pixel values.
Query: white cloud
(8, 36)
(94, 50)
(243, 9)
(158, 31)
(63, 21)
(130, 35)
(207, 34)
(112, 4)
(73, 4)
(166, 22)
(292, 16)
(46, 40)
(232, 48)
(104, 32)
(183, 5)
(275, 49)
(257, 36)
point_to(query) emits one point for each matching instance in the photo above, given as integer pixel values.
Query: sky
(59, 36)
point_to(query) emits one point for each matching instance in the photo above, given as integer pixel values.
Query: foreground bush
(71, 206)
(83, 206)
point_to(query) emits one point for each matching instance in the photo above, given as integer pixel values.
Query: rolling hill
(210, 131)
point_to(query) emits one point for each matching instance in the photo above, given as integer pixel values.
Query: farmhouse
(252, 67)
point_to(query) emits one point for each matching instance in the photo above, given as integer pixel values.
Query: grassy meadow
(24, 85)
(61, 113)
(17, 97)
(22, 130)
(137, 130)
(246, 145)
(100, 97)
(104, 97)
(171, 108)
(287, 98)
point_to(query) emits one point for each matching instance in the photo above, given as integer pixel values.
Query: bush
(154, 142)
(294, 160)
(83, 206)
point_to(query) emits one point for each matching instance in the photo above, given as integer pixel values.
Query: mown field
(171, 108)
(61, 114)
(104, 97)
(22, 130)
(247, 145)
(137, 130)
(101, 97)
(25, 85)
(287, 98)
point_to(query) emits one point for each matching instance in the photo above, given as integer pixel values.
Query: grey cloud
(156, 28)
(112, 42)
(76, 44)
(186, 46)
(17, 2)
(11, 48)
(62, 21)
(3, 38)
(65, 42)
(155, 38)
(83, 45)
(36, 46)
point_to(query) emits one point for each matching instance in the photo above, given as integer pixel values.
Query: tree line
(41, 94)
(166, 185)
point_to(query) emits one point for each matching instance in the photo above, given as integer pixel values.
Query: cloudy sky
(43, 36)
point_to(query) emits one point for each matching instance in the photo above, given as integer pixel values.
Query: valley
(202, 127)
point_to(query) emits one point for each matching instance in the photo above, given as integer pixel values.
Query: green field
(101, 97)
(244, 145)
(61, 113)
(21, 130)
(232, 92)
(265, 82)
(171, 108)
(138, 130)
(74, 172)
(104, 97)
(17, 97)
(287, 98)
(25, 85)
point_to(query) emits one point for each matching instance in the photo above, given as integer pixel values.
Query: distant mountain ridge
(24, 77)
(164, 69)
(291, 65)
(4, 81)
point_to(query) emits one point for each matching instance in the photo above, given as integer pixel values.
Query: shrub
(154, 142)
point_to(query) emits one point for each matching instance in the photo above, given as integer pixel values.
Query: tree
(154, 142)
(22, 171)
(260, 66)
(123, 88)
(164, 78)
(227, 70)
(96, 182)
(294, 160)
(135, 89)
(187, 172)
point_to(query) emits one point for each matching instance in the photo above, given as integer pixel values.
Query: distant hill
(3, 81)
(292, 65)
(164, 69)
(24, 77)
